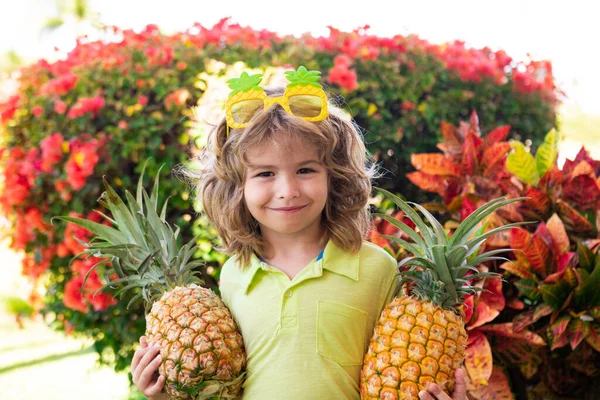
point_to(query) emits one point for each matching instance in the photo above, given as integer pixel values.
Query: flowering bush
(108, 106)
(542, 324)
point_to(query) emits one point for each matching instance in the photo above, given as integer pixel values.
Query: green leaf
(411, 214)
(440, 234)
(104, 232)
(408, 246)
(547, 153)
(587, 294)
(439, 257)
(586, 256)
(404, 228)
(126, 222)
(468, 226)
(555, 295)
(529, 288)
(456, 255)
(521, 163)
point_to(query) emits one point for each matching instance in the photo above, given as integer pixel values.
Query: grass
(38, 363)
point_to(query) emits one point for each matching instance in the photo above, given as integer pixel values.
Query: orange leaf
(435, 164)
(483, 314)
(474, 124)
(492, 295)
(583, 168)
(506, 329)
(498, 134)
(494, 154)
(560, 239)
(572, 219)
(451, 145)
(497, 389)
(557, 332)
(538, 203)
(478, 358)
(538, 255)
(577, 331)
(427, 182)
(593, 338)
(518, 268)
(523, 320)
(582, 192)
(469, 152)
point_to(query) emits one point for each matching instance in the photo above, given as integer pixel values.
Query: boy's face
(286, 191)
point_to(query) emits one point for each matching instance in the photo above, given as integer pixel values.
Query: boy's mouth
(288, 209)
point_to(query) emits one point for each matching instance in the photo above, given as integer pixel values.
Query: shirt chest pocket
(341, 331)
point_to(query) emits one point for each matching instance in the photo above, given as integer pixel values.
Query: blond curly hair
(217, 180)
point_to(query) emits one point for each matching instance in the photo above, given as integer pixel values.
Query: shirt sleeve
(225, 283)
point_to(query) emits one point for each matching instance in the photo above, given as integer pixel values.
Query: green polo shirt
(305, 338)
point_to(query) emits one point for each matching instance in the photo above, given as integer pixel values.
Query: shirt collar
(334, 259)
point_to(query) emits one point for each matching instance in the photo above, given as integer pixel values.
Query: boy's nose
(288, 189)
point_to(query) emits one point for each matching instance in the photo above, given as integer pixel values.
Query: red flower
(51, 151)
(341, 75)
(408, 105)
(178, 97)
(86, 105)
(73, 298)
(142, 100)
(342, 60)
(8, 109)
(59, 86)
(81, 163)
(37, 111)
(60, 107)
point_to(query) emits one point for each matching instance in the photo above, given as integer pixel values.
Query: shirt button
(288, 293)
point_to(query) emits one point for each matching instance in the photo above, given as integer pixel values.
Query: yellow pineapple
(420, 338)
(200, 345)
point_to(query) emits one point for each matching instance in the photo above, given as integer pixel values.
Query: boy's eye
(265, 174)
(306, 170)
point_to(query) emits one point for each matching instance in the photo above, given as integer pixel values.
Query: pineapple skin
(415, 343)
(198, 339)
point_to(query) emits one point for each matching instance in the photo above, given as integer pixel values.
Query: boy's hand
(144, 367)
(435, 392)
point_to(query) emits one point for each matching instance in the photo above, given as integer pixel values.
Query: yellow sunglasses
(303, 97)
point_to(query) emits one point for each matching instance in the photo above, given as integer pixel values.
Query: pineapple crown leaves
(141, 245)
(303, 77)
(444, 262)
(244, 83)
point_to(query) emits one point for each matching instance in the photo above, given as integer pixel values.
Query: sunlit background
(564, 32)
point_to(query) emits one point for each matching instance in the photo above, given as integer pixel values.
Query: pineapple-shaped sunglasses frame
(303, 97)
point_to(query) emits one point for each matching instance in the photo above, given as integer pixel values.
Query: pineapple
(420, 338)
(201, 347)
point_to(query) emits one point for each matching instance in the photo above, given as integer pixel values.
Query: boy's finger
(149, 353)
(438, 392)
(423, 395)
(157, 387)
(460, 390)
(148, 373)
(143, 341)
(137, 357)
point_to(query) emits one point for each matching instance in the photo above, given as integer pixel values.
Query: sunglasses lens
(305, 106)
(243, 111)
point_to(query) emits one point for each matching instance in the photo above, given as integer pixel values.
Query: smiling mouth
(288, 209)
